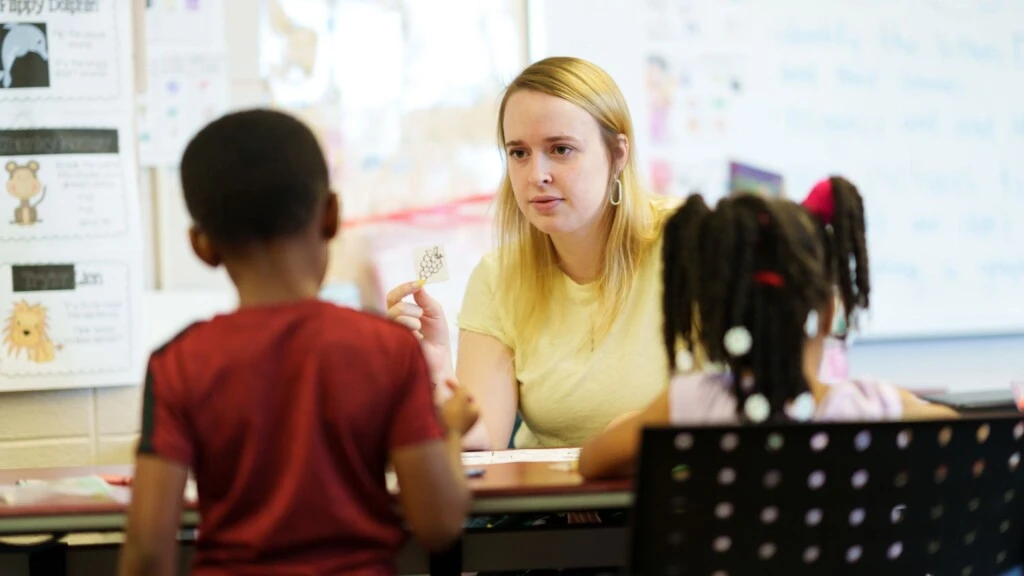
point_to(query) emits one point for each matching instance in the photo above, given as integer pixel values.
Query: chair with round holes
(880, 498)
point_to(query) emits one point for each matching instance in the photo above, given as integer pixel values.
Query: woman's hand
(426, 319)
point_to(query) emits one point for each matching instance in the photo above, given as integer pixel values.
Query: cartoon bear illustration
(24, 185)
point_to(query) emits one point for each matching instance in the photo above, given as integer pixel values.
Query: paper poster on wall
(71, 273)
(185, 22)
(187, 82)
(65, 319)
(62, 183)
(69, 50)
(187, 89)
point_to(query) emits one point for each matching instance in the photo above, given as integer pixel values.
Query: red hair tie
(769, 278)
(820, 202)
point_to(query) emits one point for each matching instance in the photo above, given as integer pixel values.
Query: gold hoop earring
(616, 197)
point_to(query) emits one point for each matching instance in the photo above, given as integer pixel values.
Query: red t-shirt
(286, 415)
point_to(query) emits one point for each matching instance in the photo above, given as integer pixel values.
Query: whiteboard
(919, 102)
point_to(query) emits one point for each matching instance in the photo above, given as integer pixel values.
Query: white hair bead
(801, 409)
(811, 325)
(684, 360)
(757, 408)
(737, 341)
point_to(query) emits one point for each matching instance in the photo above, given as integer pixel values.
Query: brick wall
(69, 427)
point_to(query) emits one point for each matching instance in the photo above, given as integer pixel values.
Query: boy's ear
(332, 217)
(203, 247)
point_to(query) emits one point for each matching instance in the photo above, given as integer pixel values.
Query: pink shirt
(835, 366)
(707, 399)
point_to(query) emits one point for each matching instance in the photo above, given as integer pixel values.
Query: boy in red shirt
(289, 409)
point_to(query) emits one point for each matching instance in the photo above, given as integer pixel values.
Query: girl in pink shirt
(763, 275)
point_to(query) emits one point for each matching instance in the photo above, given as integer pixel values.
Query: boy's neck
(276, 273)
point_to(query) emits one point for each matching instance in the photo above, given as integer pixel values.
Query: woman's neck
(581, 255)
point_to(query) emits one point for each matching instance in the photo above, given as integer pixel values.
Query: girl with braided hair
(762, 275)
(838, 210)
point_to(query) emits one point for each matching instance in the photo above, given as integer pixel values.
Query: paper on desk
(191, 491)
(531, 455)
(37, 491)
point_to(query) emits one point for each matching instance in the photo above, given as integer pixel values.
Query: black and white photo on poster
(61, 49)
(24, 55)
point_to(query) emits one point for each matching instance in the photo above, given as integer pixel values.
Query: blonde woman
(562, 323)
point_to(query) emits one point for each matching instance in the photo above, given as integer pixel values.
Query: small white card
(430, 264)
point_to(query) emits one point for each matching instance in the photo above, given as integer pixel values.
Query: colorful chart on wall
(925, 115)
(187, 76)
(70, 238)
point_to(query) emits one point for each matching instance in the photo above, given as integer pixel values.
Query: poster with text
(62, 49)
(187, 83)
(62, 183)
(71, 241)
(64, 320)
(187, 89)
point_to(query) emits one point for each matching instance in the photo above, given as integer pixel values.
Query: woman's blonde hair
(527, 263)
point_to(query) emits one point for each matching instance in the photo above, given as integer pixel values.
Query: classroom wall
(100, 426)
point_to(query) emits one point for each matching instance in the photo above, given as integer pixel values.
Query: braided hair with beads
(838, 208)
(755, 264)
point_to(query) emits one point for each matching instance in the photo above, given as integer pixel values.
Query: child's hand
(459, 411)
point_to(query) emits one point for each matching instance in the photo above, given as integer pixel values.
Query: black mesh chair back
(900, 498)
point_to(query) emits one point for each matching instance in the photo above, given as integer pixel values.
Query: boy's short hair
(253, 176)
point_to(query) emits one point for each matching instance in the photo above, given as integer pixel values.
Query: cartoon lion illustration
(26, 330)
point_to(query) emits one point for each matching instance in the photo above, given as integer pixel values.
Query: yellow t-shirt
(568, 392)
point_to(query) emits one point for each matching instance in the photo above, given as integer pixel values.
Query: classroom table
(504, 488)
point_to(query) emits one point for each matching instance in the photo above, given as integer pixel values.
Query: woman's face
(558, 163)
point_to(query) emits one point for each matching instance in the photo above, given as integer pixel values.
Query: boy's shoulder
(350, 322)
(370, 320)
(332, 323)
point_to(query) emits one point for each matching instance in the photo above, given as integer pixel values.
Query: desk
(508, 488)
